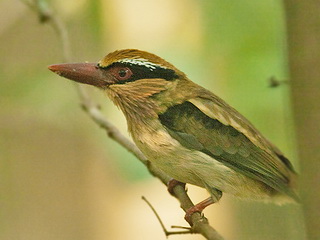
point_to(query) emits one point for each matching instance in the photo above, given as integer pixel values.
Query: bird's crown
(137, 57)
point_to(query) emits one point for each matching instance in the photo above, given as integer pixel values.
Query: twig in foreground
(166, 232)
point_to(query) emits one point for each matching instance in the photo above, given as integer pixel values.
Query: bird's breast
(166, 153)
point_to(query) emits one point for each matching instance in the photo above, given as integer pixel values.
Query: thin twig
(274, 82)
(166, 232)
(199, 223)
(181, 227)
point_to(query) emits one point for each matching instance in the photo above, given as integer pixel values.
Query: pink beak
(87, 73)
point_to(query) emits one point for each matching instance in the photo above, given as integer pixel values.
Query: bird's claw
(190, 212)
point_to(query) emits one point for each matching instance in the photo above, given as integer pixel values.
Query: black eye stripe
(158, 72)
(143, 72)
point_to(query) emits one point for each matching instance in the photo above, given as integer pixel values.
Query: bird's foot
(198, 208)
(172, 183)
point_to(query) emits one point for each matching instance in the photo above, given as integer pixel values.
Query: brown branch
(303, 38)
(199, 222)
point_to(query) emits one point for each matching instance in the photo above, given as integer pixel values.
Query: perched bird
(186, 131)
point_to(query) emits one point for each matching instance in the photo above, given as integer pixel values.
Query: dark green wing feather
(245, 151)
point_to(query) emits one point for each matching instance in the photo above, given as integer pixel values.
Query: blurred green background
(61, 177)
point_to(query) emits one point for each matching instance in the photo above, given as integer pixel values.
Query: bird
(187, 131)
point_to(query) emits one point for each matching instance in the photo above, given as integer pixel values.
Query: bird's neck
(136, 103)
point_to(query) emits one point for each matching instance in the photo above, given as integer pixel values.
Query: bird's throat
(137, 109)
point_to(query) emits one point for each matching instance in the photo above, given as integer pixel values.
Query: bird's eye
(123, 73)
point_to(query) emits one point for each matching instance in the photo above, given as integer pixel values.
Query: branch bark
(303, 29)
(199, 222)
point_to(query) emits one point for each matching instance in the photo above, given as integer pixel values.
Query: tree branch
(303, 38)
(199, 222)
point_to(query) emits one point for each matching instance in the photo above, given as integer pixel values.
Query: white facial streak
(141, 62)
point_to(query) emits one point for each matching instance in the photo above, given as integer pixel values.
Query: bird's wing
(211, 126)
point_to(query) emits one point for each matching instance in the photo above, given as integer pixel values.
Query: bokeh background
(61, 177)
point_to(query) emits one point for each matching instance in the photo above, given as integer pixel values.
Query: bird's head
(119, 68)
(130, 77)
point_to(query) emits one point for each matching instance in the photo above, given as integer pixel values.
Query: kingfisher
(188, 132)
